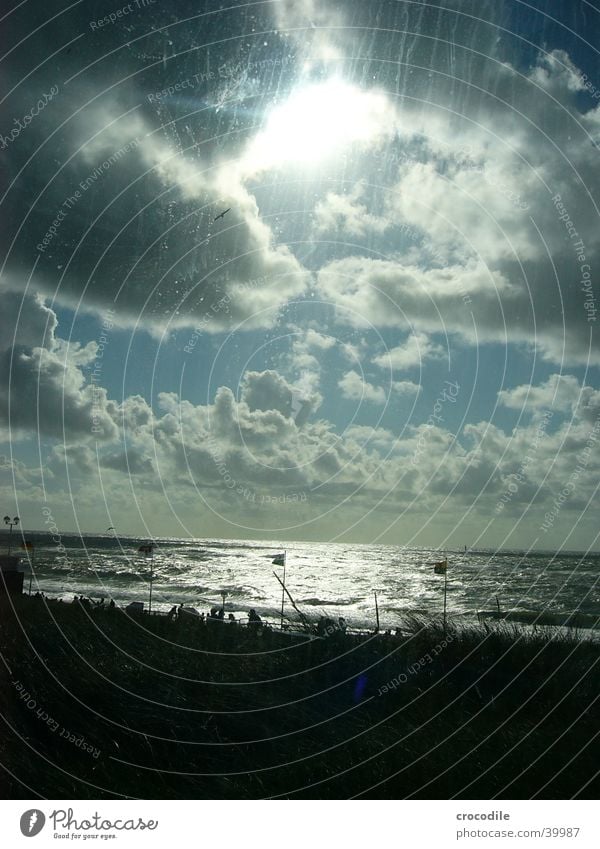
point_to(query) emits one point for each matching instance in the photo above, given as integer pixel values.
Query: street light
(12, 523)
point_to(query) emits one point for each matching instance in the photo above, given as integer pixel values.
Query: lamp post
(12, 523)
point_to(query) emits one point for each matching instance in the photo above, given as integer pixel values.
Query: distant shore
(103, 705)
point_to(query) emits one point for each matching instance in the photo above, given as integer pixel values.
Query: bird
(222, 214)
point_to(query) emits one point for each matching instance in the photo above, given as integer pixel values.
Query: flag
(279, 560)
(27, 546)
(441, 567)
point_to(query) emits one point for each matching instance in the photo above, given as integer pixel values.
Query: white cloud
(344, 214)
(561, 393)
(232, 452)
(406, 387)
(25, 321)
(314, 27)
(356, 388)
(417, 349)
(387, 293)
(42, 386)
(555, 72)
(314, 339)
(482, 250)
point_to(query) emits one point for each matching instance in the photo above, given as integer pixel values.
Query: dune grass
(150, 708)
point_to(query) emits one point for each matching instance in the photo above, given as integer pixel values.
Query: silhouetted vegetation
(184, 709)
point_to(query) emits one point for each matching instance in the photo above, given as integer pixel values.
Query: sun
(315, 122)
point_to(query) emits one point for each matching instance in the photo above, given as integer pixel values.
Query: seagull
(221, 214)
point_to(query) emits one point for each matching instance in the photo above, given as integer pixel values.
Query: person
(172, 614)
(254, 620)
(342, 624)
(112, 603)
(326, 627)
(231, 617)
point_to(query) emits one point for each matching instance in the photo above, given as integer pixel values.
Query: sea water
(332, 579)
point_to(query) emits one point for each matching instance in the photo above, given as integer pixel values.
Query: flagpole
(305, 621)
(148, 549)
(376, 610)
(31, 562)
(283, 588)
(445, 592)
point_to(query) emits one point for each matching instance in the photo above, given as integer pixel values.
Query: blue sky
(390, 335)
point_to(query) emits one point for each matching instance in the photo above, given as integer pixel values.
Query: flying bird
(222, 214)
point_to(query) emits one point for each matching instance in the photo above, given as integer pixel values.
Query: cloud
(483, 248)
(356, 388)
(560, 392)
(314, 339)
(444, 193)
(267, 390)
(414, 352)
(387, 293)
(345, 215)
(130, 462)
(311, 24)
(25, 320)
(129, 222)
(406, 387)
(75, 458)
(556, 73)
(42, 386)
(233, 454)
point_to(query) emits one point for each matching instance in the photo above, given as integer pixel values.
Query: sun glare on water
(315, 122)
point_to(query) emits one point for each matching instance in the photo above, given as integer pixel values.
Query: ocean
(332, 579)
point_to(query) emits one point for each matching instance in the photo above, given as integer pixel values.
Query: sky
(302, 270)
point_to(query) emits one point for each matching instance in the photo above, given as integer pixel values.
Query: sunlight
(315, 122)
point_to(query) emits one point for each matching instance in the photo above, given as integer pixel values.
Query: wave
(327, 602)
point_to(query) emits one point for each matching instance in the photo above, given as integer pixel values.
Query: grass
(181, 710)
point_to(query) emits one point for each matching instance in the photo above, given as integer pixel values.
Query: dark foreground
(97, 705)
